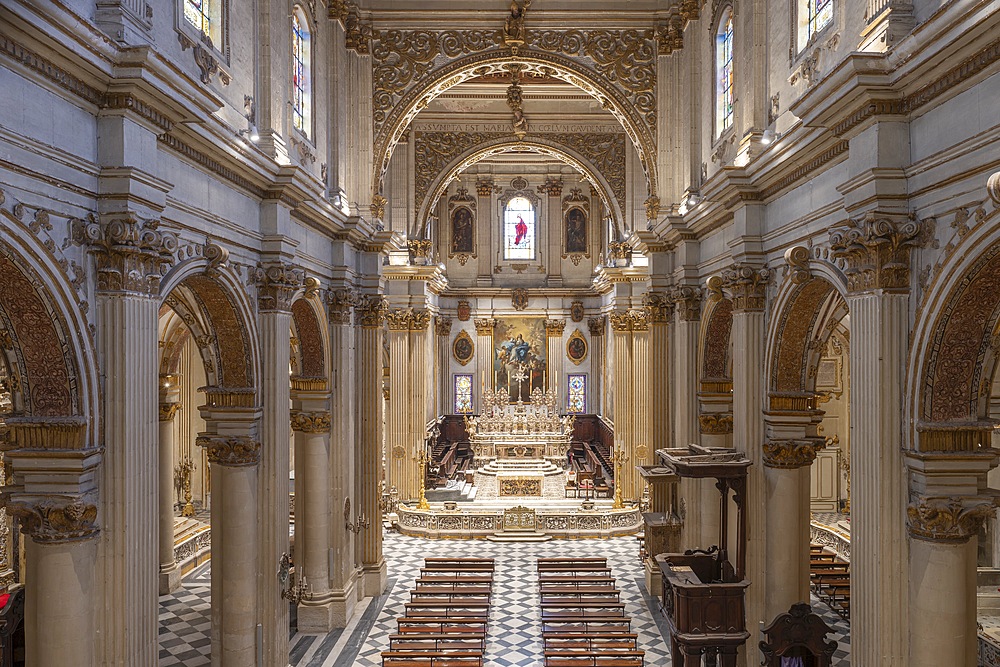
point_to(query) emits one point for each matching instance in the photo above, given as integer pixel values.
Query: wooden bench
(607, 606)
(435, 642)
(479, 562)
(623, 659)
(593, 641)
(455, 579)
(471, 568)
(608, 597)
(587, 625)
(583, 615)
(438, 625)
(432, 659)
(583, 578)
(588, 568)
(576, 587)
(572, 560)
(428, 590)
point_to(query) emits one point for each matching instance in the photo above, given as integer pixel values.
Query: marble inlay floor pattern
(514, 636)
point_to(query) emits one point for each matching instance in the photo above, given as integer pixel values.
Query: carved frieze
(790, 453)
(276, 287)
(719, 423)
(230, 451)
(55, 519)
(875, 251)
(131, 254)
(951, 519)
(310, 422)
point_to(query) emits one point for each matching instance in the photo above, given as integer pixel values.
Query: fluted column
(129, 258)
(235, 547)
(406, 416)
(747, 288)
(555, 230)
(369, 316)
(311, 428)
(484, 358)
(484, 239)
(343, 459)
(54, 497)
(442, 331)
(661, 311)
(687, 302)
(554, 352)
(598, 397)
(275, 292)
(170, 574)
(642, 407)
(632, 436)
(876, 252)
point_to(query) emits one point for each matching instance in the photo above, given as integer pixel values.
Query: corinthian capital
(407, 319)
(442, 325)
(276, 286)
(596, 325)
(131, 254)
(659, 307)
(953, 519)
(230, 451)
(554, 328)
(370, 311)
(485, 326)
(876, 250)
(746, 285)
(55, 519)
(687, 301)
(790, 453)
(340, 302)
(311, 422)
(629, 320)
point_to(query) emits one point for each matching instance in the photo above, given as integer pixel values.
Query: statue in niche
(462, 231)
(576, 230)
(513, 27)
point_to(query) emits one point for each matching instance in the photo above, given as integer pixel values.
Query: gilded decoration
(464, 311)
(442, 325)
(576, 311)
(230, 451)
(484, 187)
(463, 349)
(797, 258)
(131, 254)
(231, 338)
(790, 453)
(718, 423)
(52, 520)
(310, 422)
(659, 307)
(552, 187)
(168, 411)
(370, 311)
(43, 365)
(596, 326)
(797, 322)
(687, 301)
(555, 328)
(875, 251)
(310, 337)
(519, 298)
(577, 348)
(408, 319)
(340, 302)
(629, 320)
(953, 519)
(398, 452)
(485, 326)
(520, 486)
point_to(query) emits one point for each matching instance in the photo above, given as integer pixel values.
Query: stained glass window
(519, 229)
(301, 79)
(724, 73)
(577, 394)
(820, 14)
(463, 394)
(197, 13)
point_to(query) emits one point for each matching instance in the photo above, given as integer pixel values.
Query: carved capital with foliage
(555, 328)
(485, 326)
(552, 187)
(377, 207)
(51, 520)
(659, 307)
(791, 453)
(442, 326)
(340, 302)
(230, 451)
(276, 286)
(596, 325)
(953, 519)
(370, 311)
(168, 411)
(131, 254)
(629, 320)
(715, 423)
(311, 422)
(747, 286)
(408, 319)
(876, 251)
(687, 301)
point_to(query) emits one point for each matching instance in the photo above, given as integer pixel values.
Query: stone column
(369, 315)
(747, 287)
(554, 352)
(170, 574)
(876, 252)
(53, 494)
(275, 292)
(660, 310)
(442, 329)
(631, 339)
(129, 258)
(235, 570)
(484, 358)
(786, 477)
(642, 408)
(598, 397)
(343, 464)
(406, 417)
(311, 428)
(687, 301)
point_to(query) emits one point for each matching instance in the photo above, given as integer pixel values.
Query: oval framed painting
(463, 348)
(576, 348)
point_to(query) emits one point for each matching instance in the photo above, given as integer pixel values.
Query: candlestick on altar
(618, 458)
(423, 504)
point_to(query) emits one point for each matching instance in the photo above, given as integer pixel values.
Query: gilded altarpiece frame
(462, 226)
(519, 356)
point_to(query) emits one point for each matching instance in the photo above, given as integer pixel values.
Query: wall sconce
(360, 522)
(290, 590)
(250, 132)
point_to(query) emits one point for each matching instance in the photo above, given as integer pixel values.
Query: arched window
(724, 73)
(816, 15)
(301, 74)
(206, 17)
(519, 229)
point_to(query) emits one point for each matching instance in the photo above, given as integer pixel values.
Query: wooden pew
(587, 625)
(623, 659)
(607, 597)
(440, 625)
(582, 578)
(432, 659)
(592, 641)
(433, 642)
(476, 579)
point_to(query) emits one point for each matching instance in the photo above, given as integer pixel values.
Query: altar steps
(520, 466)
(518, 536)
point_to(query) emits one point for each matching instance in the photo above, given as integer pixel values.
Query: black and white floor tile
(514, 637)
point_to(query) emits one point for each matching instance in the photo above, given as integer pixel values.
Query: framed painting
(576, 348)
(463, 348)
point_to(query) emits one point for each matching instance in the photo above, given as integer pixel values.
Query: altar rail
(470, 524)
(831, 538)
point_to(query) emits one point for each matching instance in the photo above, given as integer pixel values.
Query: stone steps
(518, 536)
(520, 467)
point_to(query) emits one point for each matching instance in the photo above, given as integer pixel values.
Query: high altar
(520, 443)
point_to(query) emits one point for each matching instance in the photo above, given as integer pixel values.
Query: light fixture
(768, 137)
(693, 199)
(250, 132)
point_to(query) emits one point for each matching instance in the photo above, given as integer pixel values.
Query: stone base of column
(169, 579)
(654, 578)
(375, 577)
(343, 605)
(316, 616)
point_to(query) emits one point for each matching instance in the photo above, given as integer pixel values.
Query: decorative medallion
(576, 348)
(641, 452)
(398, 452)
(463, 348)
(519, 298)
(519, 183)
(576, 311)
(464, 311)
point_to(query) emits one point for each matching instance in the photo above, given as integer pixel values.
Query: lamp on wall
(250, 132)
(768, 137)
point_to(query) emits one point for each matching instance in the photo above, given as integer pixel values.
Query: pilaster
(442, 332)
(660, 310)
(554, 350)
(687, 313)
(484, 276)
(406, 417)
(484, 357)
(598, 365)
(632, 423)
(170, 574)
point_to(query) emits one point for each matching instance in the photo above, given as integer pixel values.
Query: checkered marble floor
(515, 631)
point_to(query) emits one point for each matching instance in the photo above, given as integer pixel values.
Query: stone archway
(715, 385)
